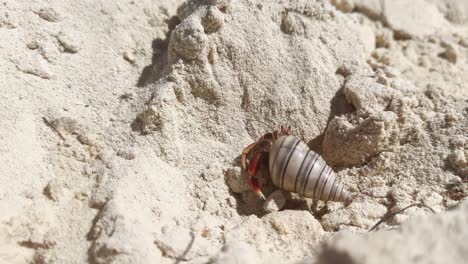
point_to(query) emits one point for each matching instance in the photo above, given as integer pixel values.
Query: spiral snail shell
(294, 167)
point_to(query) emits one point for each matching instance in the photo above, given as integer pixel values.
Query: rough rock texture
(279, 230)
(123, 123)
(455, 11)
(417, 18)
(436, 239)
(235, 253)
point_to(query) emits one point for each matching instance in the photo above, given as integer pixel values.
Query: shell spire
(294, 167)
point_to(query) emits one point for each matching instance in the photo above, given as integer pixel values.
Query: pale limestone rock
(410, 242)
(235, 253)
(412, 19)
(275, 202)
(49, 14)
(459, 161)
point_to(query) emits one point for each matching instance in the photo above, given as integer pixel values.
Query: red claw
(254, 165)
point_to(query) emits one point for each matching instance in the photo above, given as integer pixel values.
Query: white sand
(156, 100)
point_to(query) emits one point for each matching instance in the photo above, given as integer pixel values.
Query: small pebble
(127, 154)
(129, 56)
(236, 181)
(68, 43)
(450, 53)
(274, 202)
(49, 14)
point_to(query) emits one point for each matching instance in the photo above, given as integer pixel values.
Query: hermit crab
(292, 167)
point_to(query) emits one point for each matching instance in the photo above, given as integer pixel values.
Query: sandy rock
(371, 8)
(455, 11)
(445, 244)
(431, 200)
(459, 161)
(362, 214)
(368, 38)
(366, 93)
(208, 226)
(344, 5)
(69, 42)
(29, 235)
(412, 19)
(353, 142)
(450, 53)
(235, 253)
(173, 243)
(354, 68)
(149, 121)
(295, 224)
(114, 225)
(213, 20)
(275, 201)
(49, 50)
(236, 180)
(129, 55)
(188, 39)
(212, 173)
(127, 153)
(210, 80)
(281, 229)
(49, 14)
(384, 38)
(11, 252)
(55, 190)
(35, 65)
(463, 42)
(8, 20)
(22, 171)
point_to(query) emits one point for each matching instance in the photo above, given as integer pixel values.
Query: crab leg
(254, 165)
(244, 154)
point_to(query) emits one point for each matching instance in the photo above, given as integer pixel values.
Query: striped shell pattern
(294, 167)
